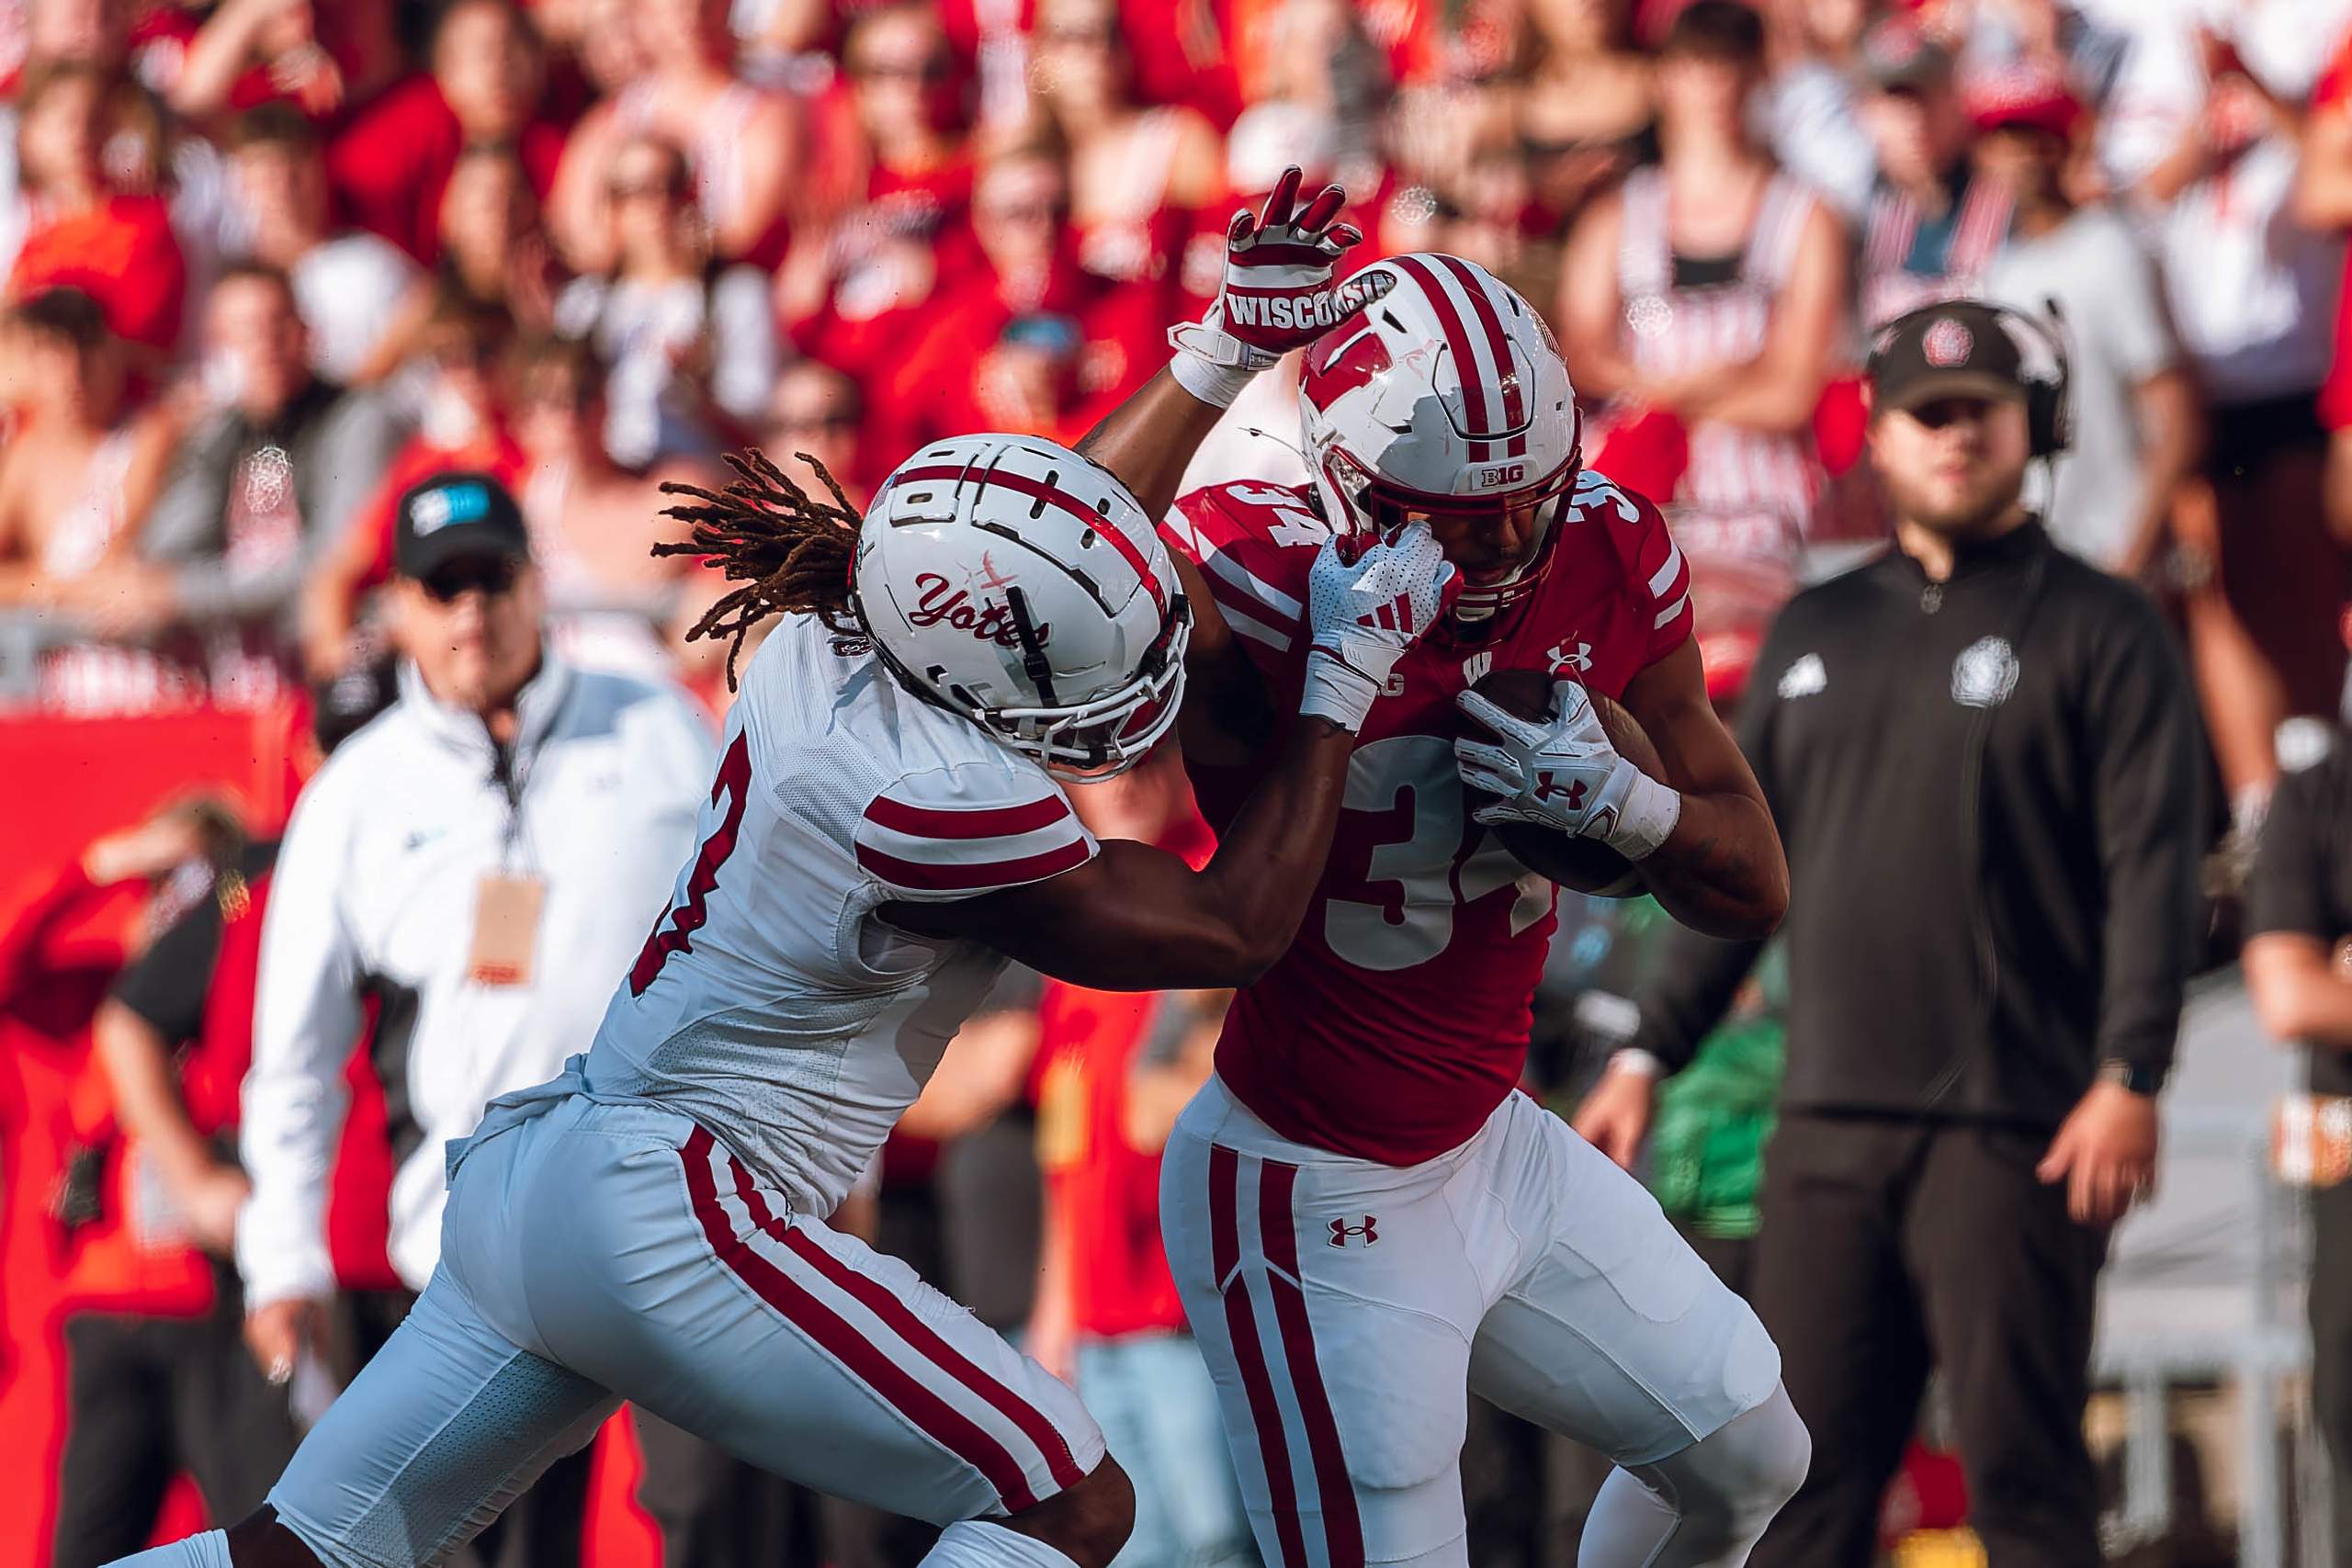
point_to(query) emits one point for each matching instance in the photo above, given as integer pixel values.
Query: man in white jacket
(480, 861)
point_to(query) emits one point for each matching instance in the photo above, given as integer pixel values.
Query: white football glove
(1365, 609)
(1563, 774)
(1276, 293)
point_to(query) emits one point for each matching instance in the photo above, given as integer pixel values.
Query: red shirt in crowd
(2334, 95)
(390, 165)
(902, 252)
(1101, 1188)
(123, 255)
(1107, 1189)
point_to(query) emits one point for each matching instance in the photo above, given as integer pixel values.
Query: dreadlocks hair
(790, 552)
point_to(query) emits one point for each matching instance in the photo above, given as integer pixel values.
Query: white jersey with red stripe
(1398, 1020)
(770, 1003)
(1673, 328)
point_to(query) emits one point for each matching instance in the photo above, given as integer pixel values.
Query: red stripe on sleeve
(981, 822)
(978, 874)
(1233, 596)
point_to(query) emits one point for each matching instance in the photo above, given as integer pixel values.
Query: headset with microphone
(2049, 389)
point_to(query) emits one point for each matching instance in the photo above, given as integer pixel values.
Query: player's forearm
(2171, 424)
(1721, 871)
(1149, 441)
(2315, 1010)
(1764, 394)
(2301, 998)
(1270, 859)
(146, 1101)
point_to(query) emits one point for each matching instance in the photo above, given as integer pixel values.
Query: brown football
(1582, 865)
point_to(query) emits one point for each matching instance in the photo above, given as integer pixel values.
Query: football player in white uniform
(888, 825)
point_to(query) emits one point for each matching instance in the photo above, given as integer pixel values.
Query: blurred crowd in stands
(270, 263)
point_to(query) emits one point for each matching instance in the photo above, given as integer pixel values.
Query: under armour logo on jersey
(1396, 615)
(1343, 1232)
(1546, 786)
(1561, 658)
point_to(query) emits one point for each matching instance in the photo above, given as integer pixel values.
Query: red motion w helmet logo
(1334, 368)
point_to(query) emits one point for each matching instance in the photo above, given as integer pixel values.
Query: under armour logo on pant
(1341, 1230)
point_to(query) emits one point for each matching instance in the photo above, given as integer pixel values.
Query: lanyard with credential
(508, 904)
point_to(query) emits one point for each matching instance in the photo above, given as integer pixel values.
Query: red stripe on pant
(1342, 1527)
(869, 1363)
(1250, 1358)
(901, 1320)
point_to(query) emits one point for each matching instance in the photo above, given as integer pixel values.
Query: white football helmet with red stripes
(1011, 581)
(1447, 394)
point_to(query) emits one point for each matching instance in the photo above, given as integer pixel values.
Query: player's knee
(1760, 1459)
(1086, 1523)
(260, 1540)
(1108, 1516)
(1731, 1482)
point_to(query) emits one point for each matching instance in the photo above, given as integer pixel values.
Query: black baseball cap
(1955, 350)
(455, 516)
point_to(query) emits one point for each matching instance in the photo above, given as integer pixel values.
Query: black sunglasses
(492, 574)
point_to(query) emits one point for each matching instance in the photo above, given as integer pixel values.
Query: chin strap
(1033, 662)
(1479, 607)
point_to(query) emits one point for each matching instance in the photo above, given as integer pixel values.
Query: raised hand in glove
(1276, 294)
(1563, 773)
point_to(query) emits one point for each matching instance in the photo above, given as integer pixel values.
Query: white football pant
(1344, 1306)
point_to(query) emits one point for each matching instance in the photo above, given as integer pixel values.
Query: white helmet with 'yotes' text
(1446, 394)
(1013, 582)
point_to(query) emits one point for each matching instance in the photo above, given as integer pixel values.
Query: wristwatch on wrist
(2131, 1076)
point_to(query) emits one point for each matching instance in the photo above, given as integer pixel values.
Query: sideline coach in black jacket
(1983, 756)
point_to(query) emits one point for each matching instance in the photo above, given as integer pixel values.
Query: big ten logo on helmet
(937, 601)
(1509, 474)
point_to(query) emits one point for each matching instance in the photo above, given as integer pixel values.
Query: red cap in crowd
(2028, 96)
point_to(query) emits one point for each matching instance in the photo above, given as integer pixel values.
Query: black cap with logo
(456, 517)
(1955, 350)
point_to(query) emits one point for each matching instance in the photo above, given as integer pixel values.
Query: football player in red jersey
(1363, 1213)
